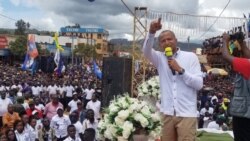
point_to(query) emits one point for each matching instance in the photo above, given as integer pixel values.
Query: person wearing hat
(32, 108)
(72, 105)
(60, 123)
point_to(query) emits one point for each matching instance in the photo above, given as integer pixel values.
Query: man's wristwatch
(182, 71)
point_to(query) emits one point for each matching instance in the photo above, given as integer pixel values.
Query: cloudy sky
(109, 14)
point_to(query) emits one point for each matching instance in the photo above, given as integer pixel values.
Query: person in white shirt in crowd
(21, 135)
(71, 129)
(62, 89)
(44, 87)
(69, 93)
(180, 80)
(13, 86)
(52, 89)
(217, 123)
(214, 99)
(25, 120)
(60, 123)
(206, 114)
(88, 92)
(33, 132)
(38, 120)
(35, 90)
(72, 105)
(90, 121)
(4, 102)
(95, 105)
(38, 104)
(74, 118)
(2, 86)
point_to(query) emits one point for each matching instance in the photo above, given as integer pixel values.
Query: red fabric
(29, 112)
(242, 66)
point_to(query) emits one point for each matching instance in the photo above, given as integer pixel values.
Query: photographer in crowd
(240, 103)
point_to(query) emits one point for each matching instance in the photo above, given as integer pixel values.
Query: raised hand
(155, 26)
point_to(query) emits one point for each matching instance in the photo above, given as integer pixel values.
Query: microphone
(169, 55)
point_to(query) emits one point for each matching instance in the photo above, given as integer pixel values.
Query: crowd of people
(213, 102)
(47, 108)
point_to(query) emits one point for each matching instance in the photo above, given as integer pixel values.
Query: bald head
(165, 31)
(167, 39)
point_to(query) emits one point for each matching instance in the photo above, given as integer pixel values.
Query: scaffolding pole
(139, 32)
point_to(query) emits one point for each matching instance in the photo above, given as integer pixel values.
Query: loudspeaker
(117, 78)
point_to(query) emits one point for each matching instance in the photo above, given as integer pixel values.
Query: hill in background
(124, 43)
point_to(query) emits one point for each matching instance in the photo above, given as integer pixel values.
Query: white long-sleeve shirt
(178, 92)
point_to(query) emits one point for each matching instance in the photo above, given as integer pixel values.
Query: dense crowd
(46, 108)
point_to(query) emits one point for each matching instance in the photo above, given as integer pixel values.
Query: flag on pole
(58, 57)
(31, 53)
(97, 70)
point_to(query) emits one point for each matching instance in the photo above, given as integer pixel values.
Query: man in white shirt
(88, 92)
(72, 134)
(74, 118)
(206, 114)
(60, 123)
(52, 89)
(180, 79)
(72, 105)
(69, 93)
(35, 90)
(95, 105)
(4, 102)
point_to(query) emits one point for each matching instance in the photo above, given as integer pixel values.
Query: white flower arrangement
(125, 116)
(150, 88)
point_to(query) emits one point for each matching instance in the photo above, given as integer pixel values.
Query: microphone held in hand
(169, 55)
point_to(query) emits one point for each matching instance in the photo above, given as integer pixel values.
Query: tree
(21, 27)
(19, 46)
(85, 50)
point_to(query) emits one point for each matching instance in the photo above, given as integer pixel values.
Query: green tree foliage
(19, 46)
(21, 27)
(85, 50)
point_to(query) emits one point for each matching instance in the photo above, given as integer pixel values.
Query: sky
(108, 14)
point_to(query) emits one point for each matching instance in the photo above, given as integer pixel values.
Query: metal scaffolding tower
(139, 32)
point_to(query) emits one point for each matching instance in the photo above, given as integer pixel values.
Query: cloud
(115, 17)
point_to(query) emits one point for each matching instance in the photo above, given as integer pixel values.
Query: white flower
(155, 117)
(126, 109)
(108, 134)
(113, 108)
(119, 121)
(128, 128)
(133, 107)
(121, 138)
(140, 118)
(123, 103)
(123, 114)
(144, 90)
(145, 111)
(150, 88)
